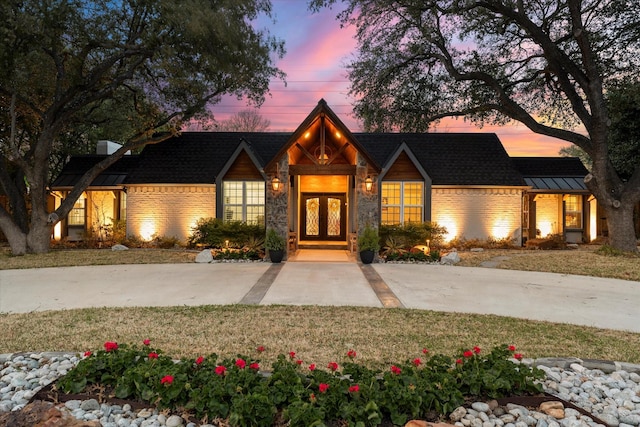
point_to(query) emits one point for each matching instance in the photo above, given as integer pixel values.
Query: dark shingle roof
(550, 166)
(552, 173)
(198, 157)
(114, 175)
(450, 158)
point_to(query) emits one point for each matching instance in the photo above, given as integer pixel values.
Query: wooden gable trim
(407, 159)
(403, 169)
(243, 169)
(322, 110)
(243, 147)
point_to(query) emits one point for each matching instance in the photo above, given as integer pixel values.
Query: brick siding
(168, 211)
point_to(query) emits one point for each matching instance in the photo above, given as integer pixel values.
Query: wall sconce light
(368, 184)
(276, 184)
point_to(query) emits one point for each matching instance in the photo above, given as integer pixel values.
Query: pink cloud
(317, 50)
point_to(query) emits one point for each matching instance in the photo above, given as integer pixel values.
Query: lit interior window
(77, 214)
(244, 201)
(573, 211)
(402, 202)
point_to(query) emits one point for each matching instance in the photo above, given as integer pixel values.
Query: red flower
(254, 366)
(512, 348)
(354, 388)
(153, 355)
(468, 353)
(333, 366)
(459, 361)
(312, 367)
(312, 398)
(351, 354)
(323, 387)
(146, 342)
(299, 362)
(476, 350)
(396, 370)
(292, 354)
(240, 363)
(517, 356)
(260, 349)
(199, 360)
(111, 346)
(87, 353)
(167, 379)
(220, 370)
(417, 361)
(425, 351)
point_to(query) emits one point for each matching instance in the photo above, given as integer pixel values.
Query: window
(244, 201)
(77, 213)
(402, 202)
(573, 211)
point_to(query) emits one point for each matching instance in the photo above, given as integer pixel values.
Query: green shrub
(413, 233)
(236, 390)
(274, 241)
(369, 240)
(488, 243)
(237, 254)
(215, 233)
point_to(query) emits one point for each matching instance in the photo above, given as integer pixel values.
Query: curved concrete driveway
(591, 301)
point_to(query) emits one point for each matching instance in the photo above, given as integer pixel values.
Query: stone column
(276, 203)
(367, 203)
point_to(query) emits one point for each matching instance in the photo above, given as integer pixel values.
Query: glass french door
(324, 216)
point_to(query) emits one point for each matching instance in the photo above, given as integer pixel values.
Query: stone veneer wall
(168, 210)
(367, 204)
(276, 204)
(478, 213)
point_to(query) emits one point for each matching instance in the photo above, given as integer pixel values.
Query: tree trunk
(39, 238)
(621, 227)
(16, 238)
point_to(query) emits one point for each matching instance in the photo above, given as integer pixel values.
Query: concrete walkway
(330, 278)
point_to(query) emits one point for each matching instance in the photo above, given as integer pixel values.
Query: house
(323, 183)
(558, 201)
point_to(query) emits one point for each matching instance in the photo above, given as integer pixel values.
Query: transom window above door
(402, 202)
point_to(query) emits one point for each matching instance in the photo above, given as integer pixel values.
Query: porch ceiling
(322, 144)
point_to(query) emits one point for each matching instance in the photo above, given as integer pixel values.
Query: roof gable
(199, 157)
(451, 158)
(322, 137)
(397, 162)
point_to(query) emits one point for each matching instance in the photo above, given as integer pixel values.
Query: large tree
(244, 121)
(623, 102)
(139, 68)
(546, 63)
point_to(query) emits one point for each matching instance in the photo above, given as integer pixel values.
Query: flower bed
(239, 390)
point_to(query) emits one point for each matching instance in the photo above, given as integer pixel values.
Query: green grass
(317, 334)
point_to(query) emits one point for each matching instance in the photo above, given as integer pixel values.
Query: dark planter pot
(276, 256)
(367, 256)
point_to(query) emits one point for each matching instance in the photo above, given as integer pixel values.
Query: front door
(323, 216)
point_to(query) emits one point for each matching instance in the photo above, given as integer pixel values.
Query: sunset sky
(317, 51)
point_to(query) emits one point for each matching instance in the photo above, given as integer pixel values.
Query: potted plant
(274, 244)
(368, 244)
